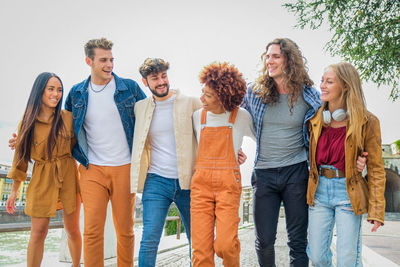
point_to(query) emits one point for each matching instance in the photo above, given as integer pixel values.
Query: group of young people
(311, 149)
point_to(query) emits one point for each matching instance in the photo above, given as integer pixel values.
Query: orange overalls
(215, 196)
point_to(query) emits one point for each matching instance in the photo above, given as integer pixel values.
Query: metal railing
(26, 226)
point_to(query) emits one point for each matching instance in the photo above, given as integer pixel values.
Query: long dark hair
(25, 136)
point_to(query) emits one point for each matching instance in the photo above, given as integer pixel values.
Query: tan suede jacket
(186, 144)
(365, 196)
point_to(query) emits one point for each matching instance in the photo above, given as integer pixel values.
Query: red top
(330, 147)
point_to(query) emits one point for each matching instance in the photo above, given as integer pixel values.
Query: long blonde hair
(352, 97)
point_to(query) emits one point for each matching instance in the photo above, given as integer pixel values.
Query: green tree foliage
(170, 226)
(365, 33)
(397, 143)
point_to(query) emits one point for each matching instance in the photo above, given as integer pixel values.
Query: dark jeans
(270, 187)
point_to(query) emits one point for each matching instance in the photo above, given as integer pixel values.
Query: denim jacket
(255, 106)
(127, 93)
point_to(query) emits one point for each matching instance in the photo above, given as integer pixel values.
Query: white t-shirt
(161, 135)
(243, 125)
(107, 144)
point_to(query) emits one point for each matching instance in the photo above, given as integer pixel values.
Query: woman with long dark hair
(342, 130)
(46, 136)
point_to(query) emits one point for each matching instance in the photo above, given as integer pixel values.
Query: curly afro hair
(226, 81)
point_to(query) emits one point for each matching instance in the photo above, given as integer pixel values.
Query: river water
(13, 246)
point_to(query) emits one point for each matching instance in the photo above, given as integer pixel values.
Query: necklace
(98, 91)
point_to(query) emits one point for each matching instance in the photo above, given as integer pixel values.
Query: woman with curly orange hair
(216, 184)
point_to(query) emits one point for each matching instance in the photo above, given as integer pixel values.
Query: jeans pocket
(316, 204)
(345, 206)
(151, 175)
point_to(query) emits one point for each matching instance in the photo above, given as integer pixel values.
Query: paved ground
(381, 249)
(179, 257)
(386, 241)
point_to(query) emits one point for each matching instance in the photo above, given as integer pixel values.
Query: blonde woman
(337, 193)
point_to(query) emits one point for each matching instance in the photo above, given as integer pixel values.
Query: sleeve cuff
(376, 219)
(16, 174)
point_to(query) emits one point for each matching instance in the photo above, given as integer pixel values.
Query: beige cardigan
(186, 145)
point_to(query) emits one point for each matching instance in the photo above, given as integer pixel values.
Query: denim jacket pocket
(77, 108)
(126, 107)
(129, 105)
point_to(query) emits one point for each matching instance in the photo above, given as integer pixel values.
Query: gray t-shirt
(282, 142)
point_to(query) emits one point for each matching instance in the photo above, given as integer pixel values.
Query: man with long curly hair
(216, 184)
(281, 102)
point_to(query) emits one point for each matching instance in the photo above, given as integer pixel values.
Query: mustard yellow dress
(53, 180)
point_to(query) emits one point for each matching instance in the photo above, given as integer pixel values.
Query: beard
(154, 91)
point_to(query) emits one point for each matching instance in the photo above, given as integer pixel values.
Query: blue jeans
(158, 194)
(271, 187)
(332, 206)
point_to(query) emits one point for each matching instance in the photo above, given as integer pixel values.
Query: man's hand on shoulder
(241, 157)
(12, 141)
(361, 161)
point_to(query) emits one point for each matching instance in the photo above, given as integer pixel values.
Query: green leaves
(365, 33)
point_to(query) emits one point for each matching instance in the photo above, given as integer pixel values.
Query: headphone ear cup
(339, 115)
(326, 114)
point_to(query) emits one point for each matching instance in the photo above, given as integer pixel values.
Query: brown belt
(330, 173)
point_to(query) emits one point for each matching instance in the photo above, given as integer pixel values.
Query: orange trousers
(99, 184)
(215, 197)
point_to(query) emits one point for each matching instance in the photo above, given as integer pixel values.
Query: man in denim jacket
(104, 121)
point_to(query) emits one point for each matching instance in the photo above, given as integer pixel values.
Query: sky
(49, 35)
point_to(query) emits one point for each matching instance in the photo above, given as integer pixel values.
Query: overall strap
(203, 116)
(232, 117)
